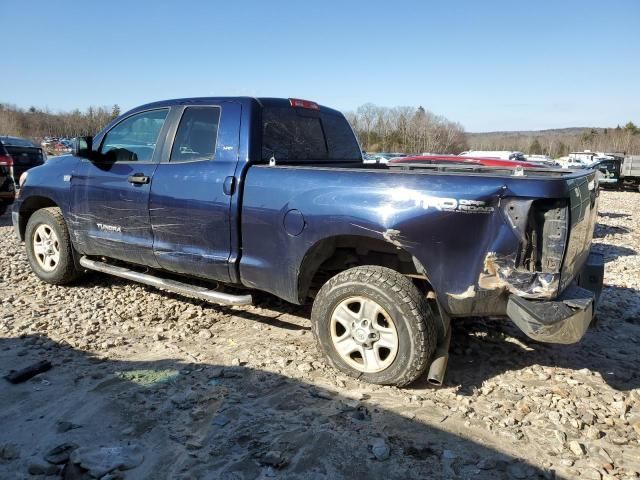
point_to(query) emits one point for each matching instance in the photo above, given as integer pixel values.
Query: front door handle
(138, 179)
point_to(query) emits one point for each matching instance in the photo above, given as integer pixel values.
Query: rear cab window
(294, 134)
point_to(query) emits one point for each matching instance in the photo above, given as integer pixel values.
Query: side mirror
(82, 147)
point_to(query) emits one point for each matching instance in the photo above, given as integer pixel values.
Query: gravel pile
(146, 384)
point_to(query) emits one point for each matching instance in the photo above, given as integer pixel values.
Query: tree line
(405, 129)
(379, 129)
(37, 123)
(558, 143)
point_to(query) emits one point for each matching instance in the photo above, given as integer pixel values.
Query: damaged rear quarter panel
(452, 224)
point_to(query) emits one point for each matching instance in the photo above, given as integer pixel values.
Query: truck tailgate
(583, 215)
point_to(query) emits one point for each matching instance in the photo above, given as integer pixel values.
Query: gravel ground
(146, 384)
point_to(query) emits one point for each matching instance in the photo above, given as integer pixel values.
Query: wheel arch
(332, 255)
(28, 207)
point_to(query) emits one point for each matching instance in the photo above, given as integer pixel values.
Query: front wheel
(49, 249)
(372, 323)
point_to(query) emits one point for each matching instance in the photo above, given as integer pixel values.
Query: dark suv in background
(25, 154)
(7, 185)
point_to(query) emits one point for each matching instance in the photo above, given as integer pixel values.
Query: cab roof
(260, 101)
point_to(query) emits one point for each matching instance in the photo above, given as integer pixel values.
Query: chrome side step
(172, 285)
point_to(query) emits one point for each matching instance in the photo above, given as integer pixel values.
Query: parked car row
(486, 159)
(17, 155)
(58, 145)
(453, 160)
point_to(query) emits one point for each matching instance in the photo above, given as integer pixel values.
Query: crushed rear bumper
(565, 319)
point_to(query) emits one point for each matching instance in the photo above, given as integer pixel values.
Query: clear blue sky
(491, 65)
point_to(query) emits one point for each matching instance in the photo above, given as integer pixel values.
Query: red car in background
(455, 159)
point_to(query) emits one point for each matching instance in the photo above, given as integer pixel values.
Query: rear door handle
(229, 185)
(138, 178)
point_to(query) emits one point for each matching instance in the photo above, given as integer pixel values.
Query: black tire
(65, 270)
(407, 307)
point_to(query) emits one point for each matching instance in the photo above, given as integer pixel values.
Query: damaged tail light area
(545, 236)
(532, 270)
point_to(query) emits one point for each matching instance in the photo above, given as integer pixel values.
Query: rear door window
(197, 135)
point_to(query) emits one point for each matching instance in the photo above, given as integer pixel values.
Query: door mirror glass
(82, 147)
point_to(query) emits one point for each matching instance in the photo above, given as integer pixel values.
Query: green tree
(588, 136)
(562, 149)
(631, 127)
(115, 111)
(535, 148)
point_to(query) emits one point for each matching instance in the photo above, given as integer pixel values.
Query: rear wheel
(372, 323)
(49, 247)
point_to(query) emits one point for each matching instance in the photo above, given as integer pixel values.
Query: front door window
(134, 139)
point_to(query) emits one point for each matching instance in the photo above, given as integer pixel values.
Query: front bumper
(565, 319)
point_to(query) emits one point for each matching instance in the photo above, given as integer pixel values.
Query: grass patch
(147, 378)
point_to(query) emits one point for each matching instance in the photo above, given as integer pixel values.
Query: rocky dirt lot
(145, 384)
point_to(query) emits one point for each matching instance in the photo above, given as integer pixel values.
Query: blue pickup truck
(272, 194)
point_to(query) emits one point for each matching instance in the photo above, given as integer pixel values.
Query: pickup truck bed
(420, 212)
(272, 194)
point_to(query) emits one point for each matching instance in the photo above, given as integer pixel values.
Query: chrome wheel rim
(46, 247)
(364, 334)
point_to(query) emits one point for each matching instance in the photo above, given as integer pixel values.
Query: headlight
(23, 179)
